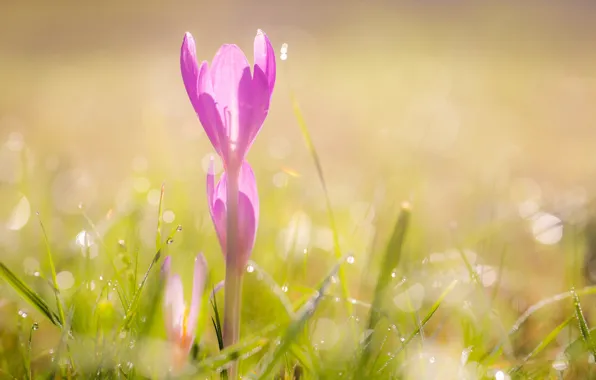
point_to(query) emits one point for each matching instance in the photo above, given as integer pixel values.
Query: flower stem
(233, 282)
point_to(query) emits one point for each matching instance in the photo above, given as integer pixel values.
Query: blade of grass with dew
(486, 299)
(243, 350)
(535, 308)
(132, 309)
(390, 262)
(275, 288)
(119, 283)
(299, 322)
(315, 156)
(424, 321)
(52, 270)
(29, 295)
(583, 325)
(543, 344)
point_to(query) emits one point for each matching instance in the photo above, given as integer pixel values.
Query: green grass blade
(52, 271)
(429, 315)
(132, 309)
(583, 325)
(315, 156)
(275, 288)
(424, 321)
(29, 295)
(548, 301)
(543, 344)
(120, 283)
(217, 323)
(242, 350)
(299, 323)
(390, 262)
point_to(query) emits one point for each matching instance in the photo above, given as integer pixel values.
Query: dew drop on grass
(169, 241)
(431, 360)
(350, 259)
(250, 269)
(35, 326)
(23, 313)
(500, 375)
(393, 274)
(284, 288)
(179, 228)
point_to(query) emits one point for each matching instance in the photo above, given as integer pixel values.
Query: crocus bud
(181, 320)
(248, 210)
(230, 101)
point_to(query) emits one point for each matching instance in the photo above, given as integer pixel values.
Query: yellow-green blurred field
(482, 117)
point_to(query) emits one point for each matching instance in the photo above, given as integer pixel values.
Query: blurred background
(480, 115)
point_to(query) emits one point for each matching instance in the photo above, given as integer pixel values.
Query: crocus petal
(247, 184)
(198, 287)
(227, 68)
(248, 211)
(216, 196)
(174, 307)
(247, 228)
(219, 217)
(206, 109)
(264, 57)
(189, 68)
(254, 99)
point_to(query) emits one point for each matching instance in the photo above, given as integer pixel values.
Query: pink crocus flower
(181, 320)
(248, 210)
(230, 101)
